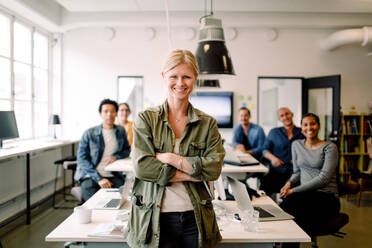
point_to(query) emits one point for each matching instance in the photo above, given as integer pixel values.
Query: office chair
(331, 227)
(73, 244)
(68, 163)
(365, 182)
(334, 225)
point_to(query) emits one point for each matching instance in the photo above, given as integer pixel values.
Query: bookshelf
(356, 129)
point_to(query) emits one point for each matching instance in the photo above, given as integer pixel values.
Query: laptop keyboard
(263, 213)
(112, 203)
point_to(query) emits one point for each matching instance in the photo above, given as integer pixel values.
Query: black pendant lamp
(212, 55)
(214, 83)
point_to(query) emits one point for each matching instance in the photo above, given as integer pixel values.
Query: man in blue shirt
(101, 145)
(277, 149)
(248, 137)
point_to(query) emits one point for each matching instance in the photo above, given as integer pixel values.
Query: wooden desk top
(273, 231)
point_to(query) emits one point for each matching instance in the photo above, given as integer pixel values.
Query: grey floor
(358, 230)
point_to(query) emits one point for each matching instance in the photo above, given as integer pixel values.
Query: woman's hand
(287, 193)
(182, 177)
(286, 190)
(166, 158)
(175, 160)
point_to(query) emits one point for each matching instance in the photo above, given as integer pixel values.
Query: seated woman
(122, 120)
(311, 194)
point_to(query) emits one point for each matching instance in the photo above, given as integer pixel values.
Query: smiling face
(180, 82)
(244, 117)
(310, 127)
(123, 113)
(285, 116)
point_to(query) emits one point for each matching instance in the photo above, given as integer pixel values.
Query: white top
(111, 146)
(176, 198)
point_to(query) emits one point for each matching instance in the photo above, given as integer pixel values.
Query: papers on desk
(109, 231)
(233, 157)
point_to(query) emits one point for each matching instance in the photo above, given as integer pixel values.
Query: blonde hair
(177, 57)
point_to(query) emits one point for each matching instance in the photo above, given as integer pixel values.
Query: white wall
(92, 63)
(42, 176)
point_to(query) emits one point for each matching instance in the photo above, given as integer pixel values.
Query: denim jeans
(178, 230)
(89, 187)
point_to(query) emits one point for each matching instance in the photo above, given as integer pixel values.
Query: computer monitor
(217, 104)
(8, 126)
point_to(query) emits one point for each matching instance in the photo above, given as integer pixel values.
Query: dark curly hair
(108, 101)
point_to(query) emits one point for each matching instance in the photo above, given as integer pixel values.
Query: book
(354, 126)
(370, 126)
(348, 129)
(345, 146)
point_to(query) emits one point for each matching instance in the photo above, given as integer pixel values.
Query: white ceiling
(314, 6)
(64, 15)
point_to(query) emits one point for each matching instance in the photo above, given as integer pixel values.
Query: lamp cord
(205, 10)
(168, 24)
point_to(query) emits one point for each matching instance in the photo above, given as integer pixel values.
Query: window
(5, 73)
(27, 58)
(130, 90)
(5, 89)
(5, 36)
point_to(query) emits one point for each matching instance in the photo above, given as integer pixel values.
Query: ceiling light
(212, 55)
(201, 83)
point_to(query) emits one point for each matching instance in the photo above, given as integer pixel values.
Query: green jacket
(201, 144)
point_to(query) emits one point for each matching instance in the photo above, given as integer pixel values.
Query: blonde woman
(122, 120)
(177, 149)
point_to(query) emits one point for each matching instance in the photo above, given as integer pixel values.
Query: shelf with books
(355, 142)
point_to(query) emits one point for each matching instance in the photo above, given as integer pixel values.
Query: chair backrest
(70, 165)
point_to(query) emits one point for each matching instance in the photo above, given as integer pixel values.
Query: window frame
(33, 30)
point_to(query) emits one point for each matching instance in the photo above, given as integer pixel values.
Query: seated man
(248, 137)
(100, 146)
(277, 149)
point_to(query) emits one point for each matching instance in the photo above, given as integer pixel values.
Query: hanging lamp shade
(202, 83)
(212, 55)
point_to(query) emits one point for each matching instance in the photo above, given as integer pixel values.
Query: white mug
(83, 214)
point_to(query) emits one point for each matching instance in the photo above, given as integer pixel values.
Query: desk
(233, 235)
(125, 165)
(27, 148)
(236, 171)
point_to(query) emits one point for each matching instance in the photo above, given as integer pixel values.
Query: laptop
(240, 159)
(267, 212)
(111, 203)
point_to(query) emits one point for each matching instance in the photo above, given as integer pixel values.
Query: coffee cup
(83, 214)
